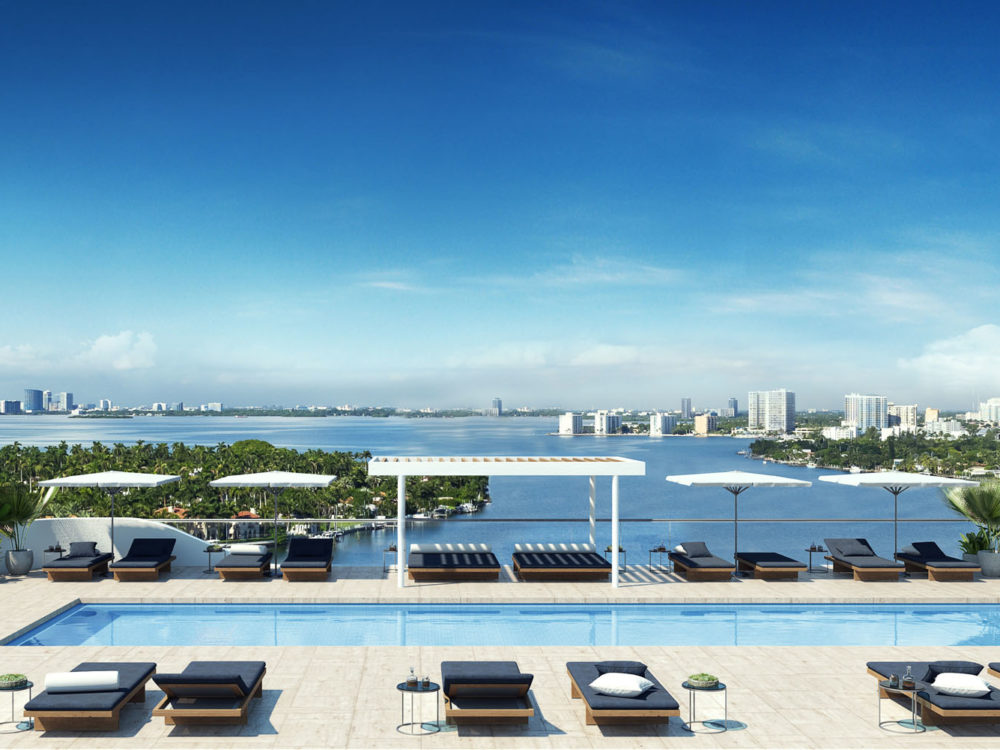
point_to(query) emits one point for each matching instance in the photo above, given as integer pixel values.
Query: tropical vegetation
(981, 505)
(19, 507)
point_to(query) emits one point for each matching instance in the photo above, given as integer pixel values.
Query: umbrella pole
(274, 499)
(111, 492)
(736, 524)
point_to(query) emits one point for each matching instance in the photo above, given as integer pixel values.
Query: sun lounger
(308, 559)
(696, 563)
(146, 559)
(994, 668)
(485, 691)
(928, 557)
(578, 562)
(769, 565)
(89, 709)
(449, 562)
(937, 707)
(856, 556)
(83, 562)
(245, 561)
(210, 692)
(654, 705)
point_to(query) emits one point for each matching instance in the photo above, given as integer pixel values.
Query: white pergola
(402, 467)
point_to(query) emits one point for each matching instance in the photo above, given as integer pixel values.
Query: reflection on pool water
(520, 624)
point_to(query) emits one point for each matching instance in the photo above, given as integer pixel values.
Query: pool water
(520, 625)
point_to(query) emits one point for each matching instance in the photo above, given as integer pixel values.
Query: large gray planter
(990, 563)
(19, 561)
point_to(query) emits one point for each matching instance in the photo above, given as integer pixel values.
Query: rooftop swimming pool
(520, 625)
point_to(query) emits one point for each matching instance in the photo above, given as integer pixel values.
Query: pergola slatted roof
(505, 466)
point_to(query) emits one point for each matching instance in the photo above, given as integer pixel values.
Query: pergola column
(614, 531)
(401, 531)
(593, 518)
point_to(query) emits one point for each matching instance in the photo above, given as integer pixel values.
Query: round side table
(22, 726)
(210, 551)
(914, 725)
(712, 726)
(411, 726)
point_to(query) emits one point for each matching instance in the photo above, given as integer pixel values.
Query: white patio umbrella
(275, 482)
(895, 482)
(736, 482)
(113, 482)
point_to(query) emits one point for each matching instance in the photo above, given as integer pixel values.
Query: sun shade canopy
(735, 479)
(901, 479)
(277, 479)
(511, 466)
(112, 479)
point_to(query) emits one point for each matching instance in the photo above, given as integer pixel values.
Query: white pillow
(679, 549)
(621, 685)
(81, 682)
(248, 549)
(964, 685)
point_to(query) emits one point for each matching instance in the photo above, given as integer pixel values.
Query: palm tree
(981, 505)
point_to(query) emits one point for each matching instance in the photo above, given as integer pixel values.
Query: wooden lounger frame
(932, 715)
(77, 574)
(143, 574)
(243, 573)
(196, 715)
(453, 574)
(702, 574)
(306, 574)
(864, 574)
(770, 572)
(512, 707)
(620, 716)
(940, 574)
(87, 720)
(561, 574)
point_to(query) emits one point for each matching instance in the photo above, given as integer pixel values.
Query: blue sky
(568, 204)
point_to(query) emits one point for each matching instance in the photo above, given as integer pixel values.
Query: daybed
(146, 559)
(994, 668)
(307, 559)
(210, 692)
(928, 557)
(654, 705)
(83, 562)
(245, 561)
(449, 562)
(91, 709)
(578, 562)
(693, 561)
(937, 707)
(485, 691)
(856, 556)
(769, 566)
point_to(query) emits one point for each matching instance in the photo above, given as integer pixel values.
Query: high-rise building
(661, 424)
(104, 404)
(771, 411)
(864, 411)
(931, 415)
(989, 410)
(686, 411)
(903, 416)
(10, 407)
(212, 406)
(732, 408)
(705, 423)
(46, 400)
(606, 423)
(66, 401)
(33, 400)
(496, 408)
(570, 423)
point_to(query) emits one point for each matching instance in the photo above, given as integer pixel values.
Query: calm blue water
(641, 497)
(520, 625)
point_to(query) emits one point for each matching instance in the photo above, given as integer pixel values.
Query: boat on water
(420, 517)
(442, 511)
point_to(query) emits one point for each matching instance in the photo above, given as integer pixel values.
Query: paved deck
(345, 696)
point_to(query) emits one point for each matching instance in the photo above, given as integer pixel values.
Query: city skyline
(566, 204)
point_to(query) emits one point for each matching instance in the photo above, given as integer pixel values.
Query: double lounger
(937, 707)
(87, 708)
(452, 562)
(856, 556)
(485, 691)
(210, 692)
(578, 562)
(146, 559)
(653, 705)
(83, 562)
(927, 557)
(245, 561)
(693, 561)
(307, 560)
(769, 566)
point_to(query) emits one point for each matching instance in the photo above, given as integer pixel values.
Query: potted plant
(703, 680)
(972, 544)
(981, 505)
(12, 681)
(19, 507)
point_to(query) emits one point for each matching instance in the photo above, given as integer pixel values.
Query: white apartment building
(989, 410)
(844, 432)
(771, 411)
(661, 424)
(903, 416)
(946, 427)
(606, 423)
(104, 404)
(866, 411)
(570, 423)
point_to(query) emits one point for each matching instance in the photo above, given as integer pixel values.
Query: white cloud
(398, 286)
(20, 358)
(126, 350)
(600, 270)
(968, 360)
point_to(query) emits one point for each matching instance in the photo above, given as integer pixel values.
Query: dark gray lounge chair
(451, 562)
(241, 567)
(696, 563)
(856, 556)
(307, 559)
(655, 705)
(936, 707)
(97, 710)
(769, 565)
(83, 562)
(146, 559)
(210, 692)
(569, 561)
(484, 691)
(931, 559)
(994, 668)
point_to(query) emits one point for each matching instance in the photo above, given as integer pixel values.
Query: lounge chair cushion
(320, 549)
(769, 560)
(244, 561)
(869, 561)
(451, 547)
(950, 667)
(561, 560)
(621, 667)
(939, 562)
(308, 563)
(994, 665)
(657, 697)
(151, 547)
(988, 702)
(695, 549)
(922, 669)
(621, 685)
(453, 560)
(130, 675)
(78, 562)
(83, 549)
(502, 674)
(206, 677)
(929, 550)
(963, 685)
(139, 562)
(700, 562)
(853, 548)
